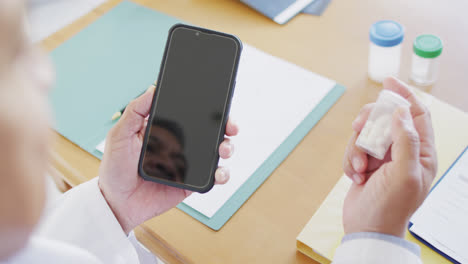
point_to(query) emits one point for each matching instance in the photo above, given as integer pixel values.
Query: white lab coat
(81, 228)
(375, 248)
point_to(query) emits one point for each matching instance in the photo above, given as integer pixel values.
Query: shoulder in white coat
(42, 251)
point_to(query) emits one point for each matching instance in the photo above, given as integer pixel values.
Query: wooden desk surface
(334, 45)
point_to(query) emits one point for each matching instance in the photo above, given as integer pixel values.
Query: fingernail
(230, 149)
(151, 88)
(404, 112)
(357, 179)
(221, 175)
(357, 164)
(399, 81)
(358, 119)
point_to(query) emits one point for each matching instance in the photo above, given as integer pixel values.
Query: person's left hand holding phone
(132, 199)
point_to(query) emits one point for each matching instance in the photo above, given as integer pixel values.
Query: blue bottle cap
(387, 33)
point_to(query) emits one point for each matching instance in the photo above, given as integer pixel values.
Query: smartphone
(190, 108)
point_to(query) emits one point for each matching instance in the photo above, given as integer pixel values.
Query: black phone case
(209, 185)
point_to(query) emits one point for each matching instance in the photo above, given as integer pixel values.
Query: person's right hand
(132, 199)
(386, 193)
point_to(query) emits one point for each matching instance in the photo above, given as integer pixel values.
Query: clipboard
(422, 240)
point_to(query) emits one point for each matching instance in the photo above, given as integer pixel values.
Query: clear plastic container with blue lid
(386, 39)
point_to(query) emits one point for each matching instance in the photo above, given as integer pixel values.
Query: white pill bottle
(386, 39)
(376, 136)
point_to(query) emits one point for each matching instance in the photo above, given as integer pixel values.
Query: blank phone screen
(189, 107)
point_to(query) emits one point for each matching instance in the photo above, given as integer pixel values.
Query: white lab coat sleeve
(145, 256)
(83, 218)
(375, 248)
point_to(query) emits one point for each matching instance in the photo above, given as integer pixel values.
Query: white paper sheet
(46, 17)
(271, 99)
(442, 220)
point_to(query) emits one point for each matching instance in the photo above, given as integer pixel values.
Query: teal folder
(104, 67)
(114, 60)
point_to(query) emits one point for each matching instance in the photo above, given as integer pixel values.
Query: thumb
(133, 118)
(405, 149)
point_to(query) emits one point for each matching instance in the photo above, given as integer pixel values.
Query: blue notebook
(280, 11)
(317, 7)
(111, 62)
